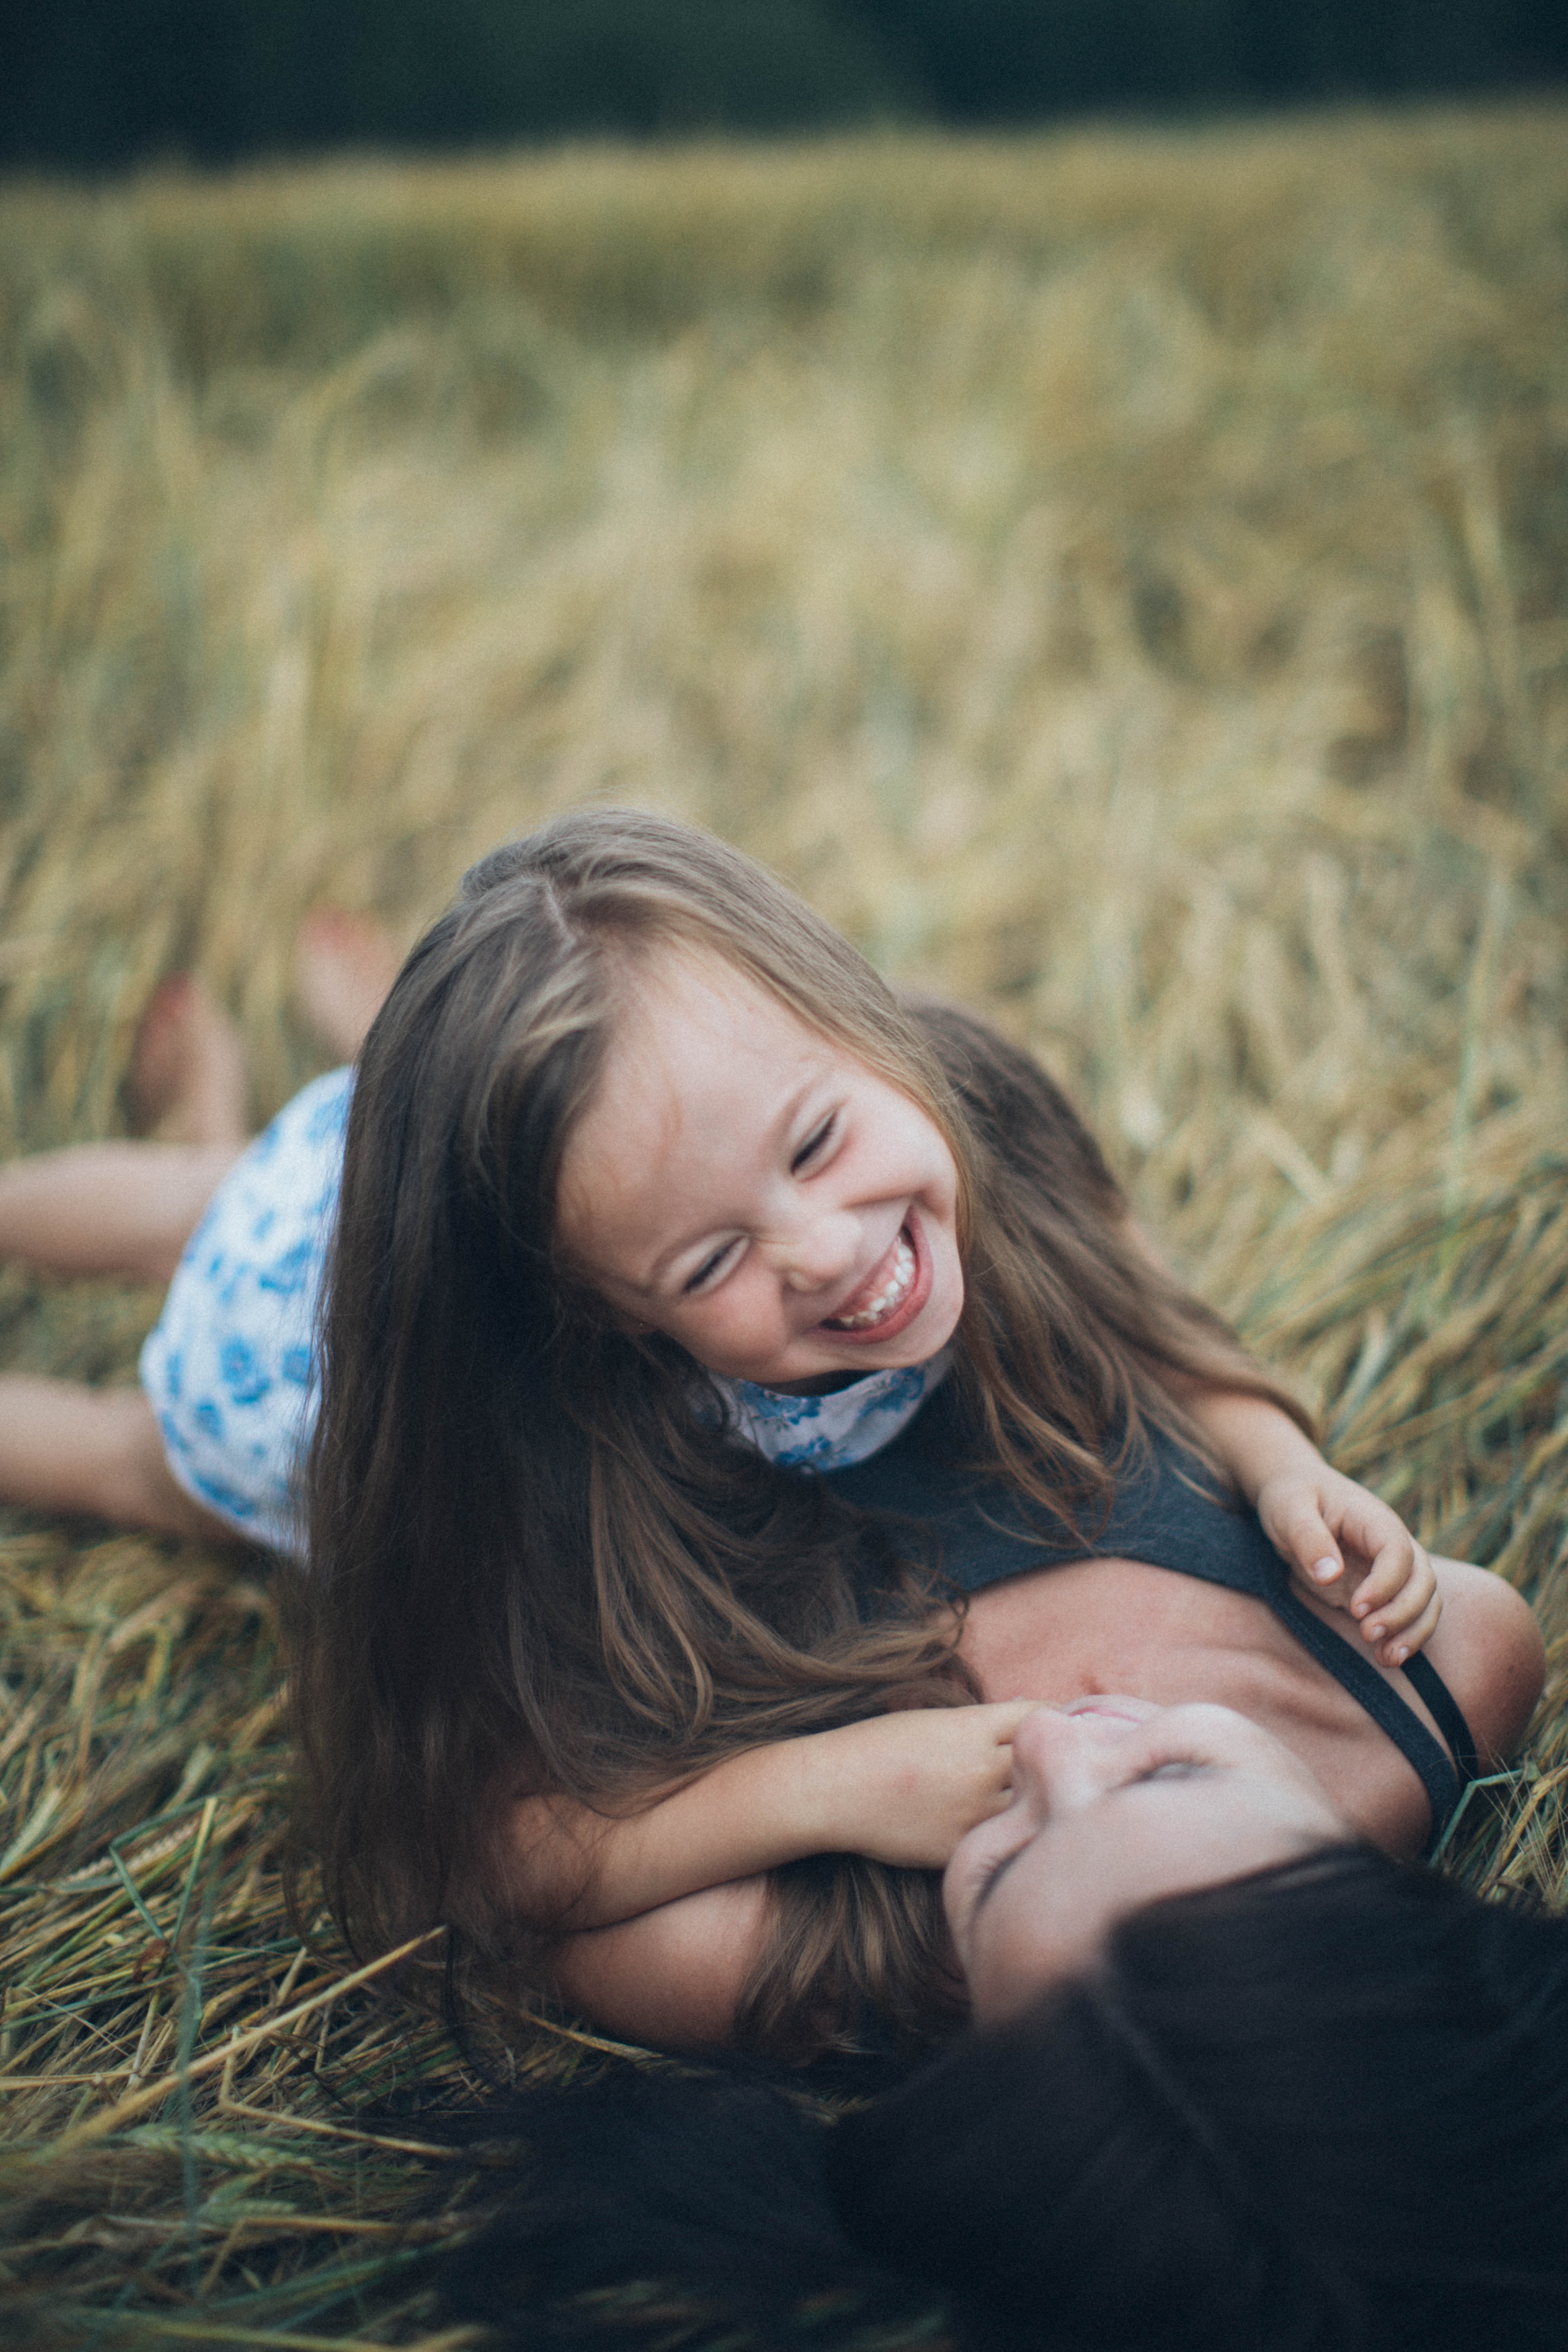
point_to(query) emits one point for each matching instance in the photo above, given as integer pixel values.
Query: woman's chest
(1122, 1625)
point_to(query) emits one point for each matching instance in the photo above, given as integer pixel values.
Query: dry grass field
(1123, 579)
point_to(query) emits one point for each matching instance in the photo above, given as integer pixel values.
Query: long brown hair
(537, 1559)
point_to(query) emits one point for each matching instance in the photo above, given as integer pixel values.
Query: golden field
(1121, 578)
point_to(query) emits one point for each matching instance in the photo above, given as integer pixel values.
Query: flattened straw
(190, 2019)
(117, 1865)
(153, 2094)
(1490, 1781)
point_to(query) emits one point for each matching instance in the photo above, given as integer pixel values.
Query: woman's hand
(1351, 1551)
(904, 1788)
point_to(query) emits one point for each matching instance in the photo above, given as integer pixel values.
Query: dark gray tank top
(1164, 1511)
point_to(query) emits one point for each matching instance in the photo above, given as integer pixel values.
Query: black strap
(1444, 1708)
(1356, 1673)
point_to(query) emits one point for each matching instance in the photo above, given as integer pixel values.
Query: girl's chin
(837, 1368)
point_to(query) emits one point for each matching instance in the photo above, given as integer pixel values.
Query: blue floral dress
(230, 1367)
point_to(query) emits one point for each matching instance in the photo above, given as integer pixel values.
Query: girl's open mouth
(891, 1296)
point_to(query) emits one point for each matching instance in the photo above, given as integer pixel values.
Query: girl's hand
(1349, 1548)
(904, 1788)
(899, 1787)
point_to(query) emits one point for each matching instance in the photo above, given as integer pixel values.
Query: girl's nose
(819, 1250)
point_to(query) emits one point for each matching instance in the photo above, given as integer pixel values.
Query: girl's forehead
(703, 1063)
(679, 998)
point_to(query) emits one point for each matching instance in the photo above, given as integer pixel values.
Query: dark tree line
(92, 83)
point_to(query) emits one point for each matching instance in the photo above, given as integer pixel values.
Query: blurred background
(90, 83)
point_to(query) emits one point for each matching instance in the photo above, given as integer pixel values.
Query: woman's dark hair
(1326, 2106)
(1323, 2109)
(537, 1559)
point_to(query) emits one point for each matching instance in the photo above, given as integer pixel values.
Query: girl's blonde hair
(538, 1559)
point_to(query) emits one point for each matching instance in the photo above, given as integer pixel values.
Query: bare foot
(343, 966)
(188, 1081)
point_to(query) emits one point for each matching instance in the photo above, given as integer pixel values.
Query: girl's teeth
(893, 1293)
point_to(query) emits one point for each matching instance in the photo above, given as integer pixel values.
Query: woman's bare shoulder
(1489, 1650)
(672, 1976)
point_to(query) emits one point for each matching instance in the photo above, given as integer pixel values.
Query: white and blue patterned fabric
(830, 1432)
(230, 1367)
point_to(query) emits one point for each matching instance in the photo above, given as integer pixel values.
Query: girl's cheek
(739, 1322)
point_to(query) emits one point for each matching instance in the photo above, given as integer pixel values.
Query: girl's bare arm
(1342, 1542)
(900, 1788)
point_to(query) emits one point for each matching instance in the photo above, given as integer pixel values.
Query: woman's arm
(675, 1976)
(900, 1788)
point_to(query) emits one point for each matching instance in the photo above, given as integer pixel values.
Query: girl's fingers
(1395, 1574)
(1399, 1613)
(1414, 1637)
(1007, 1715)
(1305, 1538)
(1364, 1522)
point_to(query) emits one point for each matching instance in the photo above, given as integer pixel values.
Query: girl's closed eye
(815, 1144)
(811, 1153)
(708, 1271)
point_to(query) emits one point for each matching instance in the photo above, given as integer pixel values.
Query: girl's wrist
(1256, 1441)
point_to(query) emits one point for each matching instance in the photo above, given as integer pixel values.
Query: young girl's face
(744, 1184)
